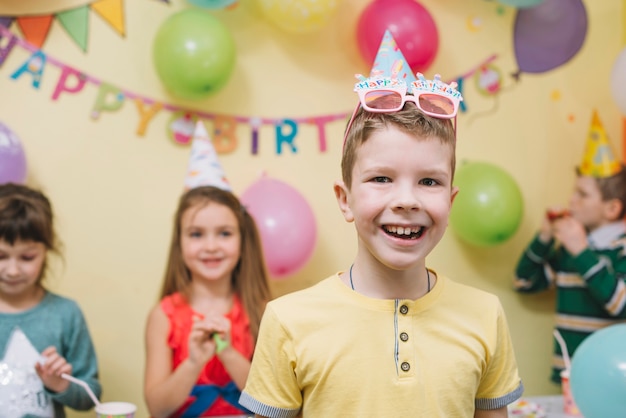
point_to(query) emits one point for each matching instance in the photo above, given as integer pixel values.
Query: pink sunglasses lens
(383, 100)
(436, 104)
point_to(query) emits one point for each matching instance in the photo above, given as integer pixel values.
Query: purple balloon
(12, 159)
(548, 35)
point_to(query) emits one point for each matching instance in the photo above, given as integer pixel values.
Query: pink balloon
(286, 224)
(411, 25)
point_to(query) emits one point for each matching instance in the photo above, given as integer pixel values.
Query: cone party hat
(204, 167)
(390, 61)
(599, 159)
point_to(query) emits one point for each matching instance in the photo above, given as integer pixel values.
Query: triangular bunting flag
(35, 28)
(113, 12)
(6, 21)
(76, 23)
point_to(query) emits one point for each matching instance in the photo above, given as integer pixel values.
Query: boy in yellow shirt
(389, 337)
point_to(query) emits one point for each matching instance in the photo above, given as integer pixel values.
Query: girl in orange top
(200, 336)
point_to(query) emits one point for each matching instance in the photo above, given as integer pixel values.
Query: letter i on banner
(255, 124)
(33, 65)
(287, 138)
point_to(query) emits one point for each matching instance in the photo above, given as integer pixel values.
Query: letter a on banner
(34, 65)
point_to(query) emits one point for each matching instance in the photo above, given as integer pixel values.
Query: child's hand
(202, 344)
(51, 368)
(545, 232)
(571, 234)
(553, 213)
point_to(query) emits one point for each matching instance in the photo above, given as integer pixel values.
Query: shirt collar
(604, 236)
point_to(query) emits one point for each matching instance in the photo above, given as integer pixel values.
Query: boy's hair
(613, 187)
(249, 278)
(26, 215)
(409, 119)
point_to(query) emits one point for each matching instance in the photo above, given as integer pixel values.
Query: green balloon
(194, 54)
(489, 207)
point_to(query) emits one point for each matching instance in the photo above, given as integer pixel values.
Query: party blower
(105, 409)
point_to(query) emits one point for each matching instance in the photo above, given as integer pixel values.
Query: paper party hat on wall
(204, 167)
(390, 61)
(599, 159)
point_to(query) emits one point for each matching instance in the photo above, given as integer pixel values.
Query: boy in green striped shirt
(582, 251)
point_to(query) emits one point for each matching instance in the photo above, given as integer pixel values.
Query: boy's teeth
(401, 230)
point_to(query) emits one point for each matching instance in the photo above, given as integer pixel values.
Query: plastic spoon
(84, 385)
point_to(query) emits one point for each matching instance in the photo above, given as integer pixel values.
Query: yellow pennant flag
(112, 11)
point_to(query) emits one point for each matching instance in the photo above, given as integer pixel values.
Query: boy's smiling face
(400, 196)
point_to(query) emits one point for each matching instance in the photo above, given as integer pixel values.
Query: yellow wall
(115, 192)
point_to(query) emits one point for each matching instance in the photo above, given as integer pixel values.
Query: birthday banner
(180, 126)
(75, 21)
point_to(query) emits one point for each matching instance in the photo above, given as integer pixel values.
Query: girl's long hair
(249, 278)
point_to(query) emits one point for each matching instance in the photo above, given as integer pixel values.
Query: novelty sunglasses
(386, 95)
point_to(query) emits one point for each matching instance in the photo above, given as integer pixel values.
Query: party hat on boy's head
(599, 160)
(390, 62)
(204, 167)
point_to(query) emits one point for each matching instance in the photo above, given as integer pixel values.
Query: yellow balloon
(298, 16)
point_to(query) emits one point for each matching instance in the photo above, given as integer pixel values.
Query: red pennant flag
(35, 28)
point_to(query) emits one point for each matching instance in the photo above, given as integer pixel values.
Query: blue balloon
(212, 4)
(598, 375)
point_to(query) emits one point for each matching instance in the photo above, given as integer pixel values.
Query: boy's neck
(380, 282)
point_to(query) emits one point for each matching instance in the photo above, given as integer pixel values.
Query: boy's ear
(341, 193)
(455, 192)
(613, 209)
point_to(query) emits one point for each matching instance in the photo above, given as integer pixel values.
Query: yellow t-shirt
(328, 351)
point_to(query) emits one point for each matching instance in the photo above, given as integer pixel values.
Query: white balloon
(618, 81)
